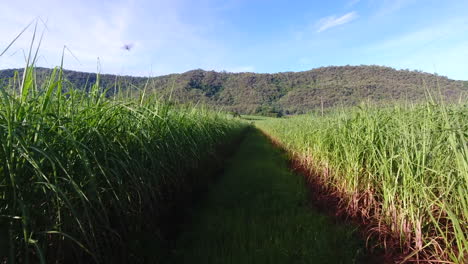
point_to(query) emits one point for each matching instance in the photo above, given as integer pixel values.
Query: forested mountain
(287, 92)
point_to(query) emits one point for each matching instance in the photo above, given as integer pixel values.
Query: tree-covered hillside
(288, 92)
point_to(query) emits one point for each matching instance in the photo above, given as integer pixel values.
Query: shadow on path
(258, 212)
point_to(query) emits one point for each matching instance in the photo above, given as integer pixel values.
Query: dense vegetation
(88, 177)
(279, 93)
(402, 170)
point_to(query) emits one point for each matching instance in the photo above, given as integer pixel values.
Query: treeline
(279, 93)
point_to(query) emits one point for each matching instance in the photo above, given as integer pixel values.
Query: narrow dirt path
(258, 212)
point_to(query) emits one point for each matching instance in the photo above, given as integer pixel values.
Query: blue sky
(240, 35)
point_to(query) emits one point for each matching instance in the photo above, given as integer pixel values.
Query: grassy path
(257, 212)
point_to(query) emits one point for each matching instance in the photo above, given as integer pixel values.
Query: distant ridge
(286, 92)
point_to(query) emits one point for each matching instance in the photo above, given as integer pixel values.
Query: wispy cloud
(388, 7)
(430, 35)
(438, 47)
(333, 21)
(163, 38)
(352, 3)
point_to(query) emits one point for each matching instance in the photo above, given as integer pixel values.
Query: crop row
(400, 170)
(86, 177)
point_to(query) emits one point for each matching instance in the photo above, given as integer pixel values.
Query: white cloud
(333, 21)
(164, 38)
(89, 32)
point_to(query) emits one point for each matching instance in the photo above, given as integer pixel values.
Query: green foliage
(84, 176)
(403, 167)
(300, 92)
(270, 111)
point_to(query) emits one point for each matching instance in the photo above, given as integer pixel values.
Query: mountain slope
(290, 92)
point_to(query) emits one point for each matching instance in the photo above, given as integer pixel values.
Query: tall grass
(83, 177)
(401, 169)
